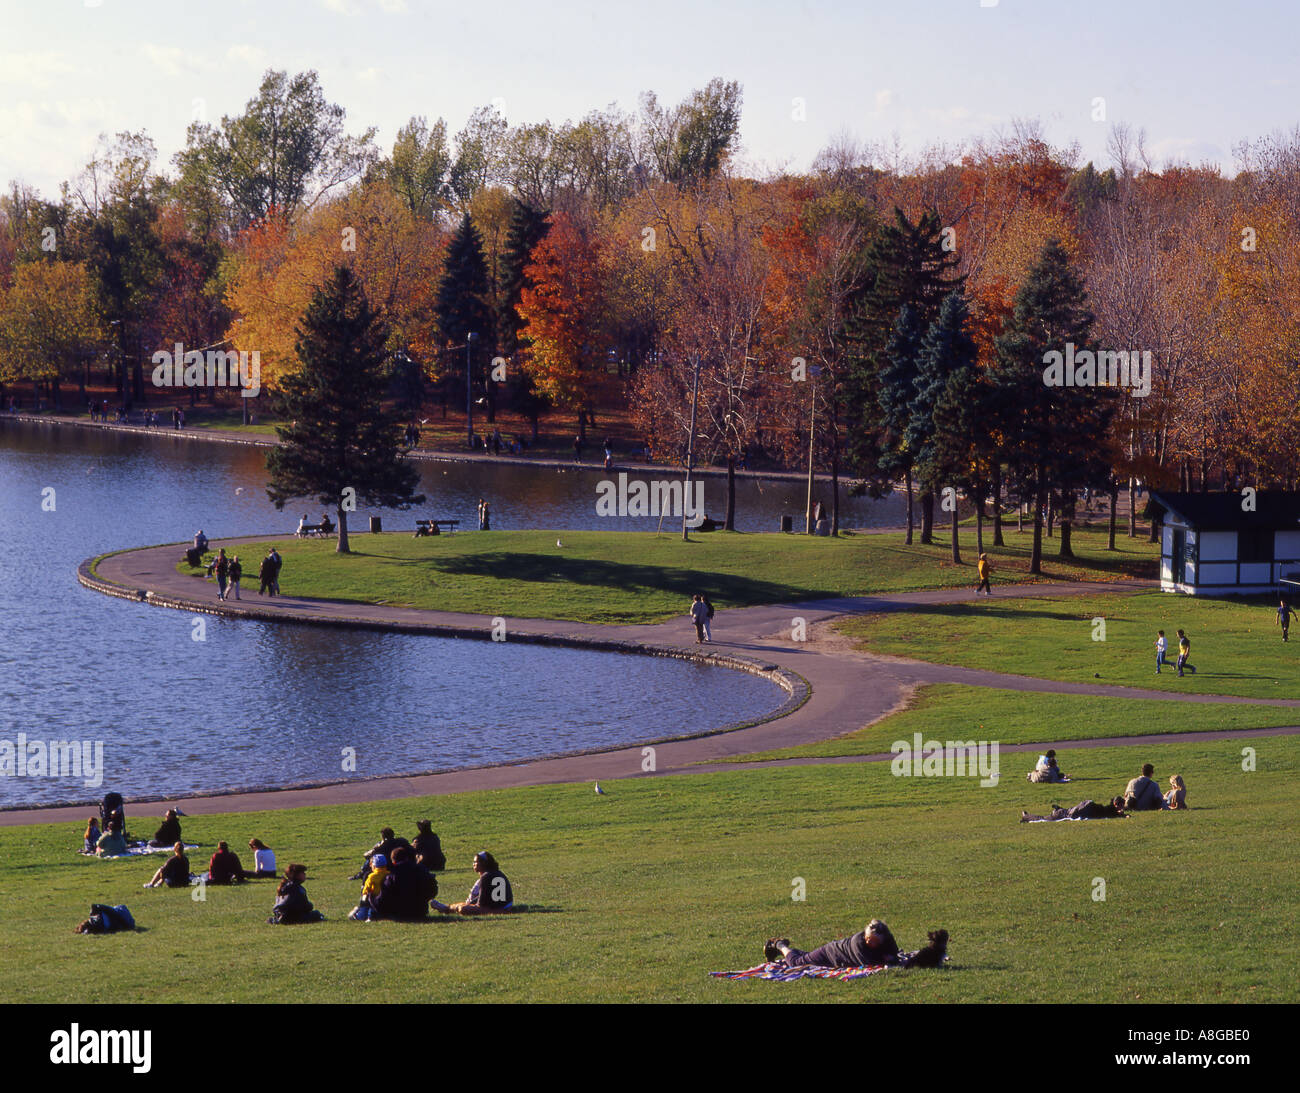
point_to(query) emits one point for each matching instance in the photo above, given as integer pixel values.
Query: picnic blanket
(783, 974)
(135, 848)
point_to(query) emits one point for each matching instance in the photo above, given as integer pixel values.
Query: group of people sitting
(1142, 794)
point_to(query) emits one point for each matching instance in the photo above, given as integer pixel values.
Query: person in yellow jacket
(374, 882)
(984, 569)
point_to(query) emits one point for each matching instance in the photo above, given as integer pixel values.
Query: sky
(1198, 75)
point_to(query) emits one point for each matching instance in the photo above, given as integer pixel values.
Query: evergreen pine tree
(341, 437)
(463, 309)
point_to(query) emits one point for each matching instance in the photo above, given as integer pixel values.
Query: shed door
(1179, 560)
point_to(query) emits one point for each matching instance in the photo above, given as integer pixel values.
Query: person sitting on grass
(1084, 810)
(1176, 798)
(491, 894)
(406, 891)
(225, 866)
(428, 847)
(169, 831)
(1047, 769)
(175, 871)
(291, 903)
(112, 842)
(90, 840)
(874, 946)
(1143, 794)
(388, 842)
(263, 858)
(364, 909)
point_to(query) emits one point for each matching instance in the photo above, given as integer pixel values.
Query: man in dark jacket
(407, 889)
(874, 946)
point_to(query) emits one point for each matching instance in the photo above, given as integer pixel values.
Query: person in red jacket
(225, 867)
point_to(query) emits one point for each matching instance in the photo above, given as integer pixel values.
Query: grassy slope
(641, 577)
(1236, 646)
(663, 880)
(950, 711)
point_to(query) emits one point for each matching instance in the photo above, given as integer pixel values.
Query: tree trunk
(997, 507)
(835, 489)
(927, 518)
(533, 418)
(1114, 500)
(730, 524)
(1065, 551)
(342, 547)
(979, 527)
(1051, 515)
(907, 483)
(1132, 509)
(1036, 557)
(956, 549)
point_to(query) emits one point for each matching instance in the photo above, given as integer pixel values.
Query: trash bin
(375, 526)
(787, 524)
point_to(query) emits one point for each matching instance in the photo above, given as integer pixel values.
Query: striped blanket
(782, 974)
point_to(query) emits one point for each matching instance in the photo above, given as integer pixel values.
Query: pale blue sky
(1198, 75)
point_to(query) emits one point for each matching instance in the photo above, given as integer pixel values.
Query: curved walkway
(846, 689)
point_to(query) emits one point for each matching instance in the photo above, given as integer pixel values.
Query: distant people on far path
(577, 449)
(699, 615)
(609, 454)
(983, 568)
(1161, 647)
(169, 831)
(1084, 810)
(1184, 651)
(224, 867)
(90, 840)
(175, 871)
(491, 894)
(292, 906)
(1176, 798)
(1142, 794)
(263, 858)
(1284, 613)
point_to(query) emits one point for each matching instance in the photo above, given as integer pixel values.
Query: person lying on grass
(175, 871)
(291, 903)
(1084, 810)
(874, 946)
(491, 894)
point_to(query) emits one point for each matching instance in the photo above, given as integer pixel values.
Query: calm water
(258, 704)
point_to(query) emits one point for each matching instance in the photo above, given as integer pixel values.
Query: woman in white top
(263, 858)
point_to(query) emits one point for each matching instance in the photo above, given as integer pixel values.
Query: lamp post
(469, 394)
(813, 371)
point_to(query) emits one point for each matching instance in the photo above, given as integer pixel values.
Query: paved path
(844, 689)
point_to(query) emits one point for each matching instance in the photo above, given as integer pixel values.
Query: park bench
(434, 527)
(313, 531)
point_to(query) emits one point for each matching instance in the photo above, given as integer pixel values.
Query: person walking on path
(708, 618)
(609, 454)
(221, 566)
(276, 563)
(1161, 646)
(983, 568)
(699, 616)
(1184, 651)
(577, 449)
(236, 572)
(1284, 613)
(264, 574)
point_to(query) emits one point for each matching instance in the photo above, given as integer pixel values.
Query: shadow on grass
(733, 590)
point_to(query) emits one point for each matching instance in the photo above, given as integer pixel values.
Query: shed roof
(1276, 509)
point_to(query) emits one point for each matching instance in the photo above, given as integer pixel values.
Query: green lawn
(951, 711)
(642, 577)
(645, 890)
(1237, 647)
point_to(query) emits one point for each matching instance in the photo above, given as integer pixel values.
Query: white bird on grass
(600, 792)
(558, 543)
